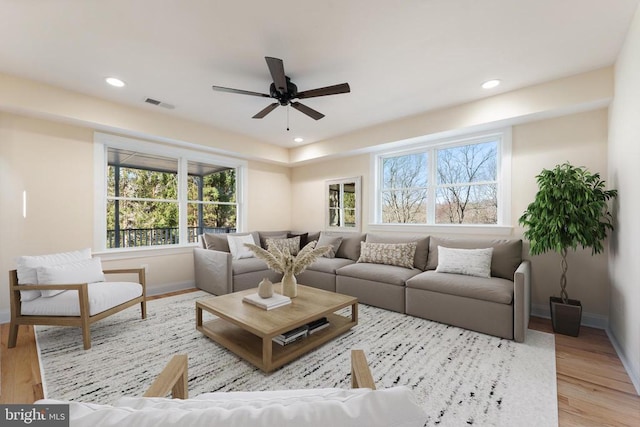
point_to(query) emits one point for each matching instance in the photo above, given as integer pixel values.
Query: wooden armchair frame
(173, 378)
(83, 321)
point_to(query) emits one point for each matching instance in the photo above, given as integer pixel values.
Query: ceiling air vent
(159, 103)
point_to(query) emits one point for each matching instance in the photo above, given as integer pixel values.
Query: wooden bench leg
(13, 335)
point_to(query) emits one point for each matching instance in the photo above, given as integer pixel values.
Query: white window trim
(358, 186)
(503, 227)
(103, 141)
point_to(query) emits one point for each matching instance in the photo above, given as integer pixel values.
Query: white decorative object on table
(280, 260)
(265, 288)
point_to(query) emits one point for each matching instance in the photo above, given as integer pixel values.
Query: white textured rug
(461, 377)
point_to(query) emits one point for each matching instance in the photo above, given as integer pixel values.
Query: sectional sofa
(496, 304)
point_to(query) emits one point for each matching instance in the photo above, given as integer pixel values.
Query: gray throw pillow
(333, 241)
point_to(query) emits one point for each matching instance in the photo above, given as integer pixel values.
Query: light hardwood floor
(593, 387)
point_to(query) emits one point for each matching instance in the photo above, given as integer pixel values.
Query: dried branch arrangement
(281, 260)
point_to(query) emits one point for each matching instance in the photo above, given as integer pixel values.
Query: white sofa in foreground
(333, 407)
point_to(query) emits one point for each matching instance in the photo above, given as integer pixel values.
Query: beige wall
(624, 173)
(579, 138)
(41, 100)
(308, 189)
(53, 162)
(582, 140)
(581, 92)
(269, 198)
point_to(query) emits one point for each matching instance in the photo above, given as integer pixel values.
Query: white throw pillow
(238, 249)
(27, 267)
(85, 271)
(471, 262)
(395, 406)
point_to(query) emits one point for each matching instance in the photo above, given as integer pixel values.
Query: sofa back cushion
(507, 253)
(27, 268)
(422, 247)
(349, 247)
(219, 242)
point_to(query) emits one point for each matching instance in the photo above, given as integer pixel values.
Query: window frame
(183, 153)
(430, 145)
(356, 180)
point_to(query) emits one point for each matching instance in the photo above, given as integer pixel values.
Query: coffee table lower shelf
(254, 349)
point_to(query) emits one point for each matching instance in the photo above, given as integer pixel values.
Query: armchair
(81, 305)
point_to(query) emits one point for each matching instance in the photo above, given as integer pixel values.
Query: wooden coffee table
(248, 331)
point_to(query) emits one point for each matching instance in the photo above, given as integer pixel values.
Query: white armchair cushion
(27, 267)
(102, 296)
(317, 407)
(85, 271)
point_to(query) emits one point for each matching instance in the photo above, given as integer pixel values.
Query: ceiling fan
(285, 91)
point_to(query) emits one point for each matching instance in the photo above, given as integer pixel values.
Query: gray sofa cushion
(494, 289)
(350, 246)
(329, 265)
(218, 242)
(248, 265)
(420, 258)
(389, 274)
(507, 253)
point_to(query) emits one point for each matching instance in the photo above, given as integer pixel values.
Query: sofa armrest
(521, 300)
(213, 271)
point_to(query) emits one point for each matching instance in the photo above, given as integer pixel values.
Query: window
(454, 182)
(343, 204)
(157, 195)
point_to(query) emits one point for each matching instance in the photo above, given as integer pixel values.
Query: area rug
(460, 377)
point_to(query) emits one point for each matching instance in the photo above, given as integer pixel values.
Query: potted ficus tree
(569, 210)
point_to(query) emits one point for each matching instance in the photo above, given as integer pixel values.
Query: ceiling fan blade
(323, 91)
(269, 108)
(239, 91)
(307, 110)
(276, 68)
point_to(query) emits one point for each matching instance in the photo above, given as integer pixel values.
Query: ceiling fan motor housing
(286, 97)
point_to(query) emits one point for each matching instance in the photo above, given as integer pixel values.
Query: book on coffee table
(292, 335)
(274, 301)
(318, 325)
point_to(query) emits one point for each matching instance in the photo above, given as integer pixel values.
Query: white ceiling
(400, 57)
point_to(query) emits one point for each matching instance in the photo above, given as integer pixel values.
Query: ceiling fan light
(489, 84)
(114, 81)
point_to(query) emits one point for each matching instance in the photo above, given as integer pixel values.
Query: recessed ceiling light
(298, 139)
(490, 84)
(115, 81)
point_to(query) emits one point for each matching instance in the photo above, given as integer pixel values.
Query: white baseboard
(588, 319)
(169, 287)
(634, 376)
(5, 316)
